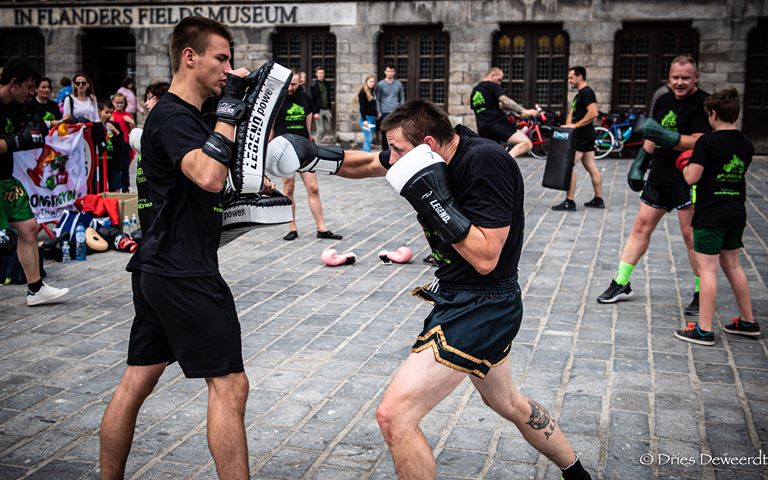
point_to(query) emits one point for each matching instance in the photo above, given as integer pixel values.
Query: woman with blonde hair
(368, 113)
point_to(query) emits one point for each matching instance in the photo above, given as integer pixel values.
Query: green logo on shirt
(669, 121)
(736, 165)
(295, 113)
(8, 126)
(478, 100)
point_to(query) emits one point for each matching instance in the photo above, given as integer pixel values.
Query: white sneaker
(46, 294)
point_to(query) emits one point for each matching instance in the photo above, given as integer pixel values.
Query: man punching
(468, 197)
(185, 311)
(678, 121)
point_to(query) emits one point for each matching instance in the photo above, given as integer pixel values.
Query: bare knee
(137, 384)
(27, 231)
(389, 421)
(642, 228)
(313, 190)
(231, 390)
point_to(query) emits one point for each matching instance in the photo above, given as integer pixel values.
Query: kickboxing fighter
(678, 121)
(488, 98)
(185, 311)
(468, 196)
(17, 84)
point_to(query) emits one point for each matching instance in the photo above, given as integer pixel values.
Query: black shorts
(499, 131)
(471, 328)
(584, 140)
(666, 197)
(192, 320)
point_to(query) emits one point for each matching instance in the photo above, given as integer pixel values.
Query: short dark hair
(156, 89)
(390, 65)
(45, 79)
(65, 82)
(725, 103)
(127, 81)
(19, 70)
(105, 103)
(318, 68)
(579, 70)
(194, 32)
(417, 119)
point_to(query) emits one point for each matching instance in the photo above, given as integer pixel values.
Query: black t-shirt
(686, 116)
(485, 103)
(584, 98)
(488, 187)
(292, 117)
(10, 120)
(44, 111)
(721, 191)
(180, 221)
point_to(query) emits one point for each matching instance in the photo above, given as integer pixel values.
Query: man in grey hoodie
(389, 94)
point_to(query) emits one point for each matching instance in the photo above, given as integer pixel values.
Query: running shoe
(740, 327)
(692, 333)
(692, 309)
(616, 292)
(46, 295)
(595, 203)
(565, 206)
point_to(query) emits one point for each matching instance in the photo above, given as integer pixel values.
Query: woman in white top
(82, 103)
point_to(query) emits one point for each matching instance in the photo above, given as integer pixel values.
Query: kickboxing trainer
(468, 196)
(487, 100)
(17, 84)
(185, 311)
(678, 121)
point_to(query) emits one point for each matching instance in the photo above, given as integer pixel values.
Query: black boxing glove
(29, 138)
(231, 107)
(421, 177)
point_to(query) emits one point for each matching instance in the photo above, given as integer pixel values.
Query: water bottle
(80, 248)
(126, 225)
(65, 254)
(134, 223)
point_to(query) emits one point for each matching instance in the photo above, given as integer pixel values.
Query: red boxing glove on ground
(683, 159)
(333, 259)
(401, 255)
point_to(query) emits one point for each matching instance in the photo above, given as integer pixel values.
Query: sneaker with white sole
(693, 334)
(47, 294)
(615, 292)
(740, 327)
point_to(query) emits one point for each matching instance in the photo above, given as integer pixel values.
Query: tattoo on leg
(541, 419)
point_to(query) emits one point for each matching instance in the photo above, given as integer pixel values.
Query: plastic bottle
(65, 254)
(80, 248)
(134, 223)
(126, 225)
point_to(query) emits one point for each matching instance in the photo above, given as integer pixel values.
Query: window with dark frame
(643, 53)
(26, 43)
(420, 56)
(534, 59)
(756, 84)
(307, 48)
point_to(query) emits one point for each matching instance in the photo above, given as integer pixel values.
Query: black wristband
(230, 110)
(219, 148)
(384, 158)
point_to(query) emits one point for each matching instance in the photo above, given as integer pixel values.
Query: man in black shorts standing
(471, 208)
(488, 98)
(583, 112)
(17, 84)
(185, 311)
(678, 121)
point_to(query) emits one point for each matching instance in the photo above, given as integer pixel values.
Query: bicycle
(615, 133)
(538, 130)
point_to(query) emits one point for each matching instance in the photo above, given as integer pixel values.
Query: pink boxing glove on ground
(333, 259)
(401, 255)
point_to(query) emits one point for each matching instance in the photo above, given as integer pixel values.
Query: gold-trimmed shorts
(471, 327)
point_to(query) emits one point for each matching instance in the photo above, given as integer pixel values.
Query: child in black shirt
(112, 143)
(717, 167)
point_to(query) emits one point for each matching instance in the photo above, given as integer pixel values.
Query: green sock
(625, 271)
(697, 288)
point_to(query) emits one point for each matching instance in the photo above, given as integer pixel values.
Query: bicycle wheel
(540, 141)
(603, 142)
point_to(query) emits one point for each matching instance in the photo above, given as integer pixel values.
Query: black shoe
(615, 292)
(430, 260)
(691, 333)
(740, 327)
(693, 309)
(328, 235)
(595, 203)
(565, 206)
(292, 235)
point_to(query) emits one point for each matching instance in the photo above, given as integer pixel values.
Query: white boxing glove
(289, 153)
(134, 139)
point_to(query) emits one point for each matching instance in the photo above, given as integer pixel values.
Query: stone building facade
(442, 48)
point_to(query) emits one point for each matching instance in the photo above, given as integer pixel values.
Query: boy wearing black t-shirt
(185, 311)
(583, 112)
(717, 168)
(111, 142)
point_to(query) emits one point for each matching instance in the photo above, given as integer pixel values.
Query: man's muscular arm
(482, 247)
(510, 104)
(360, 164)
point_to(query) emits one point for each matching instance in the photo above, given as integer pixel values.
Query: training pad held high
(559, 166)
(265, 92)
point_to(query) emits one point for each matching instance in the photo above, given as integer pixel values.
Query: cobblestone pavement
(321, 344)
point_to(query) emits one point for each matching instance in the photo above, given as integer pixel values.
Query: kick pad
(559, 166)
(245, 212)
